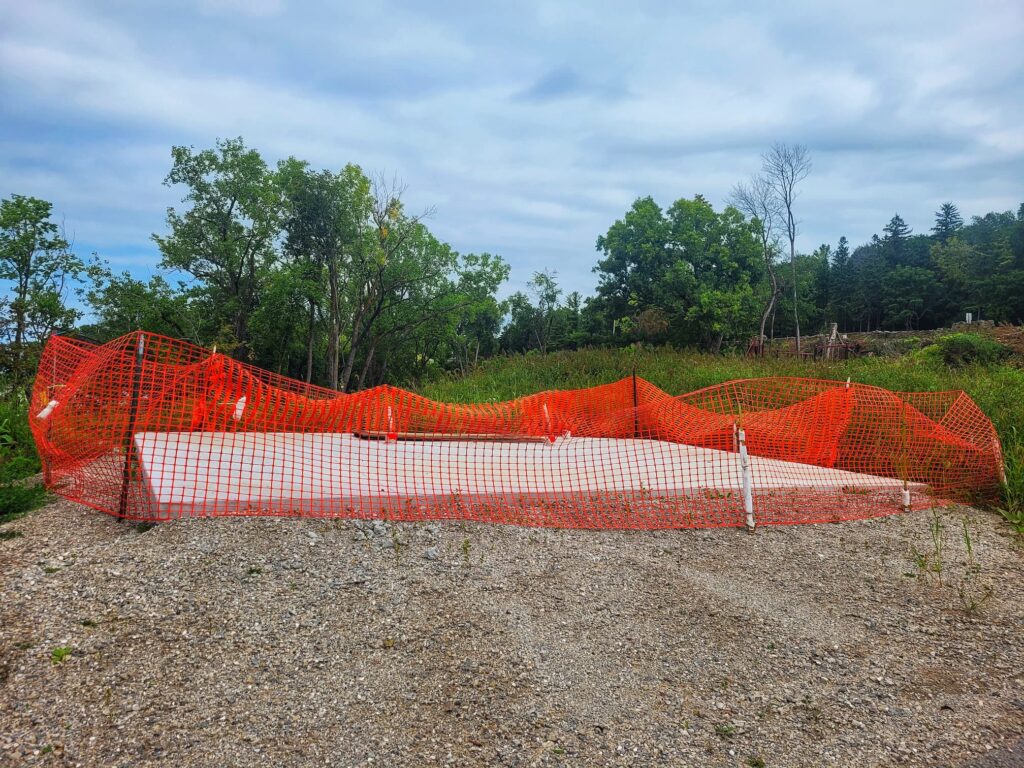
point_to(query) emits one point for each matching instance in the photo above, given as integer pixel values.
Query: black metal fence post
(636, 416)
(129, 437)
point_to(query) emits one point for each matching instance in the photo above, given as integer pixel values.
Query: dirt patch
(243, 642)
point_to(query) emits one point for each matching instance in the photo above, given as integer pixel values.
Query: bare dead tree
(756, 198)
(784, 167)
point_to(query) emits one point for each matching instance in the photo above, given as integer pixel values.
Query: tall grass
(18, 460)
(997, 387)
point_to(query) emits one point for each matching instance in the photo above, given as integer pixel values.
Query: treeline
(691, 276)
(326, 276)
(320, 275)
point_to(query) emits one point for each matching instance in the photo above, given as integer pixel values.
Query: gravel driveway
(244, 642)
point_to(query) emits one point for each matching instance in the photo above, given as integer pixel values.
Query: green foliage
(18, 460)
(15, 436)
(18, 500)
(225, 239)
(697, 267)
(948, 222)
(973, 591)
(930, 562)
(1013, 501)
(36, 260)
(121, 304)
(960, 349)
(725, 731)
(981, 266)
(60, 654)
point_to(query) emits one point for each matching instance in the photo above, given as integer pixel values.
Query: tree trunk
(334, 331)
(350, 358)
(769, 308)
(366, 365)
(309, 342)
(19, 307)
(241, 331)
(796, 308)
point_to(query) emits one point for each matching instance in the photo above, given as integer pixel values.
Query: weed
(465, 551)
(973, 592)
(725, 731)
(144, 526)
(6, 535)
(1013, 513)
(50, 569)
(396, 542)
(254, 570)
(59, 654)
(930, 563)
(89, 623)
(755, 761)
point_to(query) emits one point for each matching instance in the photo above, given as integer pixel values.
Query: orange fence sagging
(150, 428)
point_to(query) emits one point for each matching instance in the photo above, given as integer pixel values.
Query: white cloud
(531, 128)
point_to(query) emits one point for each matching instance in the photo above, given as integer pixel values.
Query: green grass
(997, 387)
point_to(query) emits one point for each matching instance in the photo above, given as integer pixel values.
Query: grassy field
(996, 386)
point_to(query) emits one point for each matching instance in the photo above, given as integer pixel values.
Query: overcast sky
(530, 126)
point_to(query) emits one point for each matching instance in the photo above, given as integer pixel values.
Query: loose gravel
(250, 642)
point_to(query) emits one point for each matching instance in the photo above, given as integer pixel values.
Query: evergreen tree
(896, 231)
(948, 222)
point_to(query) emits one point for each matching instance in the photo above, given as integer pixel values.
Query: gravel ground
(243, 642)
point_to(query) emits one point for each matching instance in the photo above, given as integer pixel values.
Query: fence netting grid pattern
(150, 428)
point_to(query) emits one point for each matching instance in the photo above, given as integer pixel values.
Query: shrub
(18, 460)
(960, 349)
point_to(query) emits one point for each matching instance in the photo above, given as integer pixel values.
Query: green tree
(948, 222)
(36, 259)
(331, 245)
(841, 280)
(636, 252)
(896, 235)
(710, 284)
(983, 267)
(226, 237)
(122, 304)
(479, 322)
(545, 288)
(518, 335)
(905, 295)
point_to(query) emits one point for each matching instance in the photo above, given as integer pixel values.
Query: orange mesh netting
(150, 428)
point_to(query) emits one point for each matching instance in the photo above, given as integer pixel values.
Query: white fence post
(748, 481)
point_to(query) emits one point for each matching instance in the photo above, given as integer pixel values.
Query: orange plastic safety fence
(150, 428)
